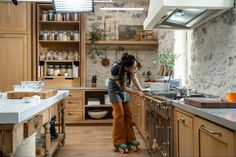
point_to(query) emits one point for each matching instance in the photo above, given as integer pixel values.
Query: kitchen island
(19, 120)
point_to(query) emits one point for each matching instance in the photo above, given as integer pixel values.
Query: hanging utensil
(105, 62)
(137, 60)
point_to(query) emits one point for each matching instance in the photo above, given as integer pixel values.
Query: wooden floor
(94, 141)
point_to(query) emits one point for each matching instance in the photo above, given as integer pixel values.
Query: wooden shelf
(59, 22)
(91, 121)
(102, 105)
(60, 77)
(55, 143)
(65, 61)
(58, 41)
(124, 42)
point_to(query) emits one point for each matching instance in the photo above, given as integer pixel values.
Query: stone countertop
(102, 88)
(224, 117)
(13, 111)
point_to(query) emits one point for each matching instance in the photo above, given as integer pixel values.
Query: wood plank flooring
(94, 141)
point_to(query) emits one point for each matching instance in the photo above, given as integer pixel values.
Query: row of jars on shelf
(50, 15)
(59, 55)
(59, 35)
(60, 70)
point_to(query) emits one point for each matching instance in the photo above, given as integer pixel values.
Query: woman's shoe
(134, 145)
(122, 148)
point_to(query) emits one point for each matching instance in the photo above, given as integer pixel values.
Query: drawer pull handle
(70, 113)
(181, 119)
(202, 127)
(70, 94)
(70, 102)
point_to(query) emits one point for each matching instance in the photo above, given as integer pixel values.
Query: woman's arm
(129, 90)
(136, 82)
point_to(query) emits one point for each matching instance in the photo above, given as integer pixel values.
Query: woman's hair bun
(124, 56)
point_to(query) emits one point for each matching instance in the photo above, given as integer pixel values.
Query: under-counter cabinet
(212, 140)
(183, 135)
(195, 136)
(74, 105)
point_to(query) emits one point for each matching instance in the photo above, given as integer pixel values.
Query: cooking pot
(160, 86)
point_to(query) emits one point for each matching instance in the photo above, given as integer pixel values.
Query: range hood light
(179, 13)
(73, 5)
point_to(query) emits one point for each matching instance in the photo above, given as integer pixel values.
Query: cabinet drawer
(186, 119)
(71, 105)
(54, 110)
(73, 117)
(32, 125)
(75, 94)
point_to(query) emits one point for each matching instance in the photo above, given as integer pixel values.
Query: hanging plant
(93, 37)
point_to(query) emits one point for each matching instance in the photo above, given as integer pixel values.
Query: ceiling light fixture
(117, 9)
(73, 5)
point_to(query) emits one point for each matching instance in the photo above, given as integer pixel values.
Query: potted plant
(95, 36)
(166, 60)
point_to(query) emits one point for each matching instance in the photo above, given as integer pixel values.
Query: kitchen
(73, 53)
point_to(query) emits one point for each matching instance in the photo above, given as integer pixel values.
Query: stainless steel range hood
(183, 14)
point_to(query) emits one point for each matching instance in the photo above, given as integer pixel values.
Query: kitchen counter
(86, 88)
(223, 117)
(14, 111)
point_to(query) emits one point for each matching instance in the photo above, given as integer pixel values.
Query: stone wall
(145, 54)
(213, 55)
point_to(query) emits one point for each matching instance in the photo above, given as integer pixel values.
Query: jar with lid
(60, 36)
(58, 17)
(57, 70)
(76, 36)
(76, 55)
(64, 36)
(63, 70)
(50, 71)
(49, 56)
(67, 17)
(75, 16)
(44, 16)
(68, 34)
(69, 70)
(42, 55)
(64, 55)
(45, 35)
(56, 35)
(59, 56)
(41, 33)
(52, 35)
(50, 15)
(70, 55)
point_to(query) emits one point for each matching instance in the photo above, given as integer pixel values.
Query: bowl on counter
(97, 114)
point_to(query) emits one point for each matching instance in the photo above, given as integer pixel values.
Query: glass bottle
(231, 95)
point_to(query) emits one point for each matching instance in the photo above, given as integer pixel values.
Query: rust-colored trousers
(122, 124)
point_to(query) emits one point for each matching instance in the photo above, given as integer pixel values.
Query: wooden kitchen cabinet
(15, 44)
(183, 134)
(74, 107)
(212, 140)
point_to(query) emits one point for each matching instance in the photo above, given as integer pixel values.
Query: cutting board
(209, 103)
(43, 94)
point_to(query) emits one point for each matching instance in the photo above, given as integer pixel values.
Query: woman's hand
(140, 93)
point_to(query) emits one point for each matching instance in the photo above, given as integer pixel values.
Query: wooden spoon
(105, 62)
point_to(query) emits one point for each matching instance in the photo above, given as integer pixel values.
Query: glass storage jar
(76, 55)
(57, 70)
(231, 94)
(50, 70)
(70, 55)
(44, 16)
(75, 16)
(50, 15)
(63, 70)
(58, 17)
(69, 70)
(42, 55)
(76, 36)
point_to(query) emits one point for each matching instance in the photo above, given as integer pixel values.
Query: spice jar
(50, 15)
(70, 55)
(41, 33)
(63, 70)
(45, 35)
(69, 70)
(75, 16)
(76, 36)
(57, 70)
(76, 55)
(58, 17)
(64, 36)
(59, 56)
(42, 55)
(60, 36)
(52, 35)
(44, 16)
(67, 17)
(50, 71)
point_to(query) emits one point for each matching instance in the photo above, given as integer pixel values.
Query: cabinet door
(212, 140)
(14, 60)
(183, 134)
(14, 18)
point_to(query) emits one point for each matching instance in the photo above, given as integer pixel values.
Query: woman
(122, 74)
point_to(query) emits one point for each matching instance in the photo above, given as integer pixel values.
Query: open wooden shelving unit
(125, 42)
(56, 45)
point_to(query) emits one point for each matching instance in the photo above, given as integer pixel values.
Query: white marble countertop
(86, 88)
(225, 117)
(14, 111)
